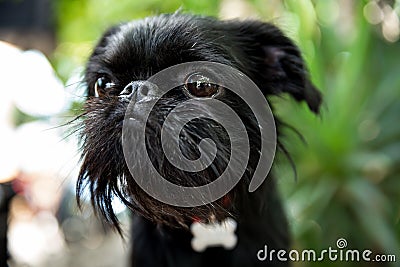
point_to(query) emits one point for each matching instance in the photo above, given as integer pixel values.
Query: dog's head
(128, 54)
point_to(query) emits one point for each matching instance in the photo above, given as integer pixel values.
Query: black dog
(130, 53)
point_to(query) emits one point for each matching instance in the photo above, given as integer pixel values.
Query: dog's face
(129, 54)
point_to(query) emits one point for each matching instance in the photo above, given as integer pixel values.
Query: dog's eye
(199, 85)
(101, 86)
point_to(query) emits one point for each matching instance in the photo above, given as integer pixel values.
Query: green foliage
(349, 171)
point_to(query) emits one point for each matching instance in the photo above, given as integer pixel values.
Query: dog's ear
(276, 61)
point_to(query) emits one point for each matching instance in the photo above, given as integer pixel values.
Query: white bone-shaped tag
(214, 234)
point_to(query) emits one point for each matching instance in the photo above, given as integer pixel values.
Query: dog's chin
(104, 171)
(105, 187)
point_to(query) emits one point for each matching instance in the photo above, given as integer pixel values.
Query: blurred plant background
(348, 182)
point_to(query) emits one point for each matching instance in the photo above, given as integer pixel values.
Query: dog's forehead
(160, 42)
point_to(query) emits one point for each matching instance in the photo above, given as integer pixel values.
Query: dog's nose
(132, 88)
(140, 91)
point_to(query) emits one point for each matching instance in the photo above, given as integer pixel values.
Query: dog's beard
(105, 174)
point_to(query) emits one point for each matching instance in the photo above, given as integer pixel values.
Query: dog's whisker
(289, 158)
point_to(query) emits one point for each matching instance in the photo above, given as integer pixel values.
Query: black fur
(136, 50)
